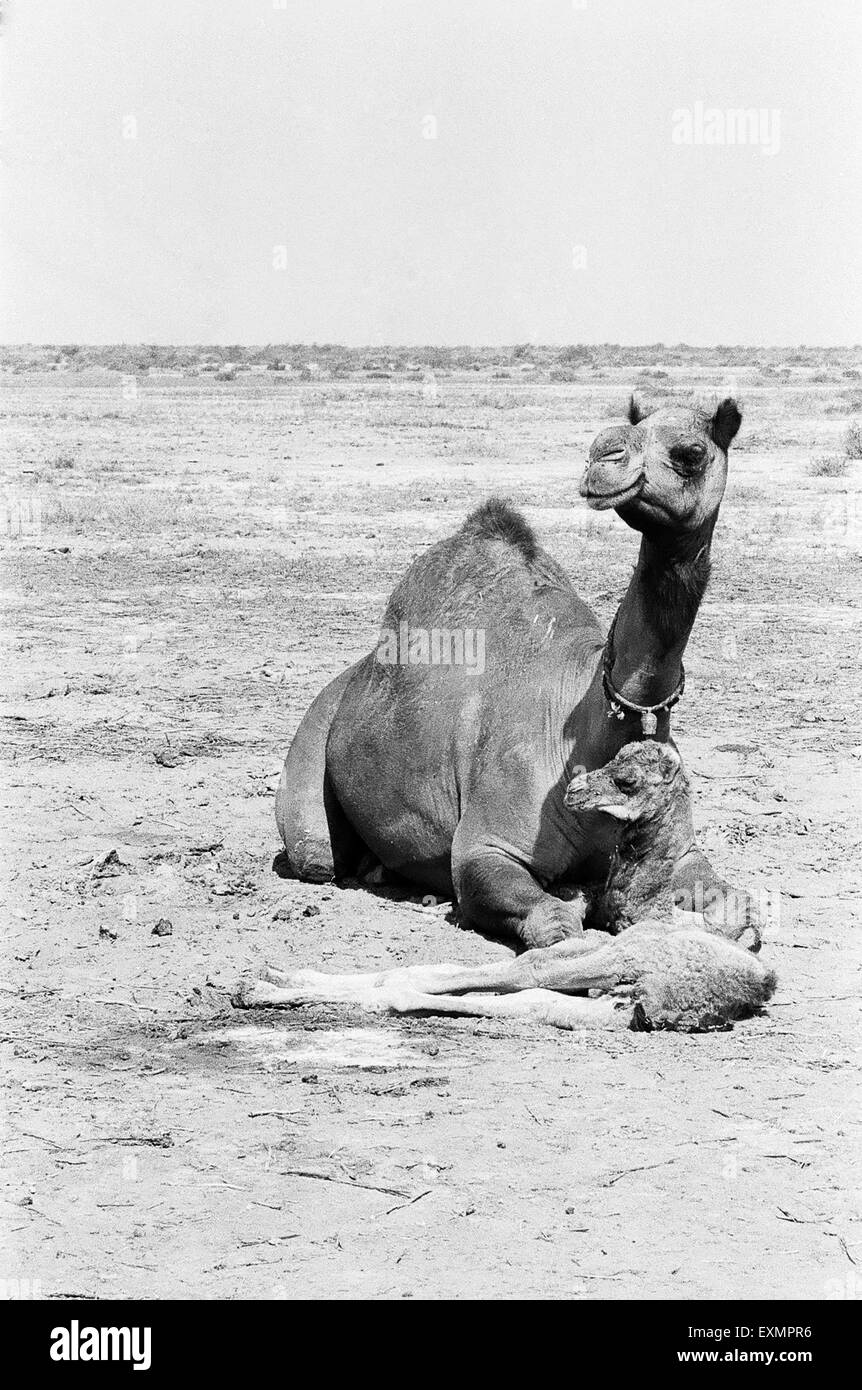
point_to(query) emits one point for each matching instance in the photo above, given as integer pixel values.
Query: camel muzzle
(594, 791)
(612, 475)
(600, 499)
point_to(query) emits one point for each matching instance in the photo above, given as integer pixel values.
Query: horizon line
(524, 343)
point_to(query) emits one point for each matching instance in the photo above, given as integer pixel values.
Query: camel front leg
(497, 894)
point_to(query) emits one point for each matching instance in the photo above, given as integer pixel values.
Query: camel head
(665, 470)
(638, 785)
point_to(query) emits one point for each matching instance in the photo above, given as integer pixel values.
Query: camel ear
(670, 763)
(725, 423)
(636, 410)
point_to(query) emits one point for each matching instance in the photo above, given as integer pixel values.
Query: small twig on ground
(345, 1182)
(42, 1041)
(271, 1240)
(44, 1215)
(644, 1168)
(797, 1220)
(128, 1003)
(156, 1141)
(52, 1143)
(247, 1264)
(28, 993)
(73, 1296)
(402, 1205)
(256, 1114)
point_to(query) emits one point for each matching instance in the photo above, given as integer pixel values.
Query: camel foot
(311, 861)
(552, 920)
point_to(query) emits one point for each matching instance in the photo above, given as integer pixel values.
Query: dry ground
(208, 556)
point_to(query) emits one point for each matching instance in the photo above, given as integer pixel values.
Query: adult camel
(453, 773)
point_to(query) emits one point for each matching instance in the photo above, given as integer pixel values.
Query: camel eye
(626, 781)
(689, 458)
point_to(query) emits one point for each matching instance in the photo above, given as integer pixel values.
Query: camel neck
(657, 614)
(640, 877)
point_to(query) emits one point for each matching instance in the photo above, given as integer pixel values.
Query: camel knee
(479, 880)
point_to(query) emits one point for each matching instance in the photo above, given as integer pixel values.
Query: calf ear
(725, 423)
(637, 411)
(669, 762)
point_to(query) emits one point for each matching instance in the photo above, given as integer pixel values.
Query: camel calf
(680, 978)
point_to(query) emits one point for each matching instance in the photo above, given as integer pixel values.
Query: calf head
(637, 786)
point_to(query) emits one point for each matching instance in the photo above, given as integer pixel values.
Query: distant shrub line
(569, 362)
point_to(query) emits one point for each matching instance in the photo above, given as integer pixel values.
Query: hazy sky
(425, 171)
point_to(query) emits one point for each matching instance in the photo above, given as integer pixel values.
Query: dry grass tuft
(853, 440)
(828, 466)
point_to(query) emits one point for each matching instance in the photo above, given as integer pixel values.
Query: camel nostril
(611, 446)
(573, 790)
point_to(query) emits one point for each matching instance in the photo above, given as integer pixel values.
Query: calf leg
(726, 910)
(547, 968)
(534, 1005)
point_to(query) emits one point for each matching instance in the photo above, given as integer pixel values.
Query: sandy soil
(208, 555)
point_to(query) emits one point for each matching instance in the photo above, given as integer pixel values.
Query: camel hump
(496, 519)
